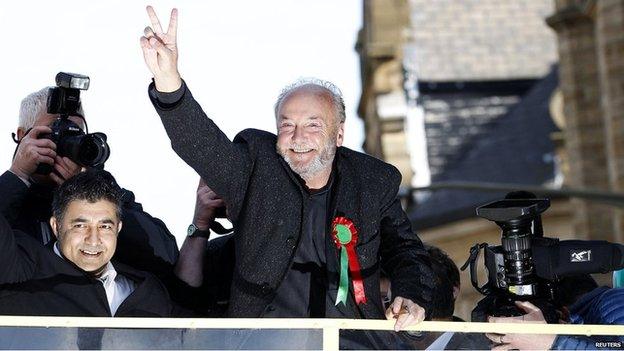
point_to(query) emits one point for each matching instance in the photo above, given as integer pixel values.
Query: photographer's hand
(64, 168)
(160, 52)
(33, 151)
(522, 341)
(206, 206)
(190, 267)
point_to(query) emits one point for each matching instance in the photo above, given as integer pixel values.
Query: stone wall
(472, 40)
(591, 46)
(610, 45)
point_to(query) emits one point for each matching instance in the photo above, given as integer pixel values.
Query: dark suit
(144, 242)
(36, 281)
(266, 202)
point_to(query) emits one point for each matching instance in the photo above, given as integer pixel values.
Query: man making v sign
(314, 222)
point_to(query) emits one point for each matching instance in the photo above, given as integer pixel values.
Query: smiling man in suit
(74, 276)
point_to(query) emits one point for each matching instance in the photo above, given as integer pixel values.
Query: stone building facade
(417, 55)
(590, 38)
(438, 75)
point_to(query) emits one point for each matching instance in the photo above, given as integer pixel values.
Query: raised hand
(206, 206)
(160, 52)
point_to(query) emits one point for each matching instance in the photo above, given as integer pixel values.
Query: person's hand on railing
(406, 312)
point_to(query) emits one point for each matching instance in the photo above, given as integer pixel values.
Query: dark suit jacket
(266, 200)
(144, 242)
(35, 281)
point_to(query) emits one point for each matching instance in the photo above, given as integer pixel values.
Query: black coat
(144, 242)
(37, 282)
(266, 200)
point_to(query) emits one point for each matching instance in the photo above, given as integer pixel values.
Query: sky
(234, 55)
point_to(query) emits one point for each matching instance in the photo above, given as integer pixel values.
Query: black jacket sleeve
(225, 166)
(145, 242)
(12, 194)
(403, 256)
(17, 254)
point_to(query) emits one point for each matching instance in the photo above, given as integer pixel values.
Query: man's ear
(20, 133)
(54, 225)
(119, 227)
(340, 134)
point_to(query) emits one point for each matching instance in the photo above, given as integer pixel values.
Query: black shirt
(306, 290)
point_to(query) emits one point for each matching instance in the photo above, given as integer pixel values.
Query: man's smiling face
(87, 234)
(308, 131)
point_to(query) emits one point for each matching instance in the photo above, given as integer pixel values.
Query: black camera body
(528, 266)
(87, 150)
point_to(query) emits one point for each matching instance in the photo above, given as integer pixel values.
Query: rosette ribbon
(345, 237)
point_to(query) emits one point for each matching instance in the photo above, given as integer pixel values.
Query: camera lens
(90, 150)
(93, 150)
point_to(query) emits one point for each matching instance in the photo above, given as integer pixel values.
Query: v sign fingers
(169, 38)
(173, 24)
(160, 52)
(150, 56)
(154, 19)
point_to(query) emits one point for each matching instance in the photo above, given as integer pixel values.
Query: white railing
(330, 327)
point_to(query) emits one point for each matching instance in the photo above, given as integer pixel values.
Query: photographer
(26, 196)
(603, 305)
(554, 275)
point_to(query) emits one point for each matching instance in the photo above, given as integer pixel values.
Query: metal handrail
(601, 196)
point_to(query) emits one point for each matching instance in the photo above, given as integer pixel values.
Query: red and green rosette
(345, 237)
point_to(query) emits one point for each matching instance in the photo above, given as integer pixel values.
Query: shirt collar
(108, 275)
(57, 251)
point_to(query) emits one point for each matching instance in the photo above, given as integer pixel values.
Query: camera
(88, 150)
(528, 266)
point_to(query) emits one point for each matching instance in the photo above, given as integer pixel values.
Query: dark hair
(446, 278)
(92, 185)
(442, 261)
(570, 289)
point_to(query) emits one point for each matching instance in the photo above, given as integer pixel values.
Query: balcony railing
(22, 332)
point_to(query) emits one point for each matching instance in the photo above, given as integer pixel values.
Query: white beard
(321, 162)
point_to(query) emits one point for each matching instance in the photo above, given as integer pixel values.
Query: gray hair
(33, 105)
(333, 91)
